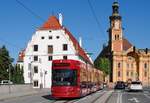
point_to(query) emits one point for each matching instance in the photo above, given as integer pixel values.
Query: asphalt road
(102, 96)
(120, 96)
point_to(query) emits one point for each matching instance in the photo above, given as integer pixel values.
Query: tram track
(98, 97)
(92, 98)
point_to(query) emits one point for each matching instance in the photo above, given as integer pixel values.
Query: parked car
(120, 85)
(5, 82)
(104, 85)
(135, 86)
(101, 86)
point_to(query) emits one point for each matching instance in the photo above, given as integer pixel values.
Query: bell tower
(115, 30)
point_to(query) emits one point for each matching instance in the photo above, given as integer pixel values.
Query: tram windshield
(64, 77)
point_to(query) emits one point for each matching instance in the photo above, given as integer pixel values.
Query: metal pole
(9, 79)
(148, 73)
(44, 78)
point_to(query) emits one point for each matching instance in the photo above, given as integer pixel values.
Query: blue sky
(17, 25)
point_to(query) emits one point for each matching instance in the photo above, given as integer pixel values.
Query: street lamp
(9, 77)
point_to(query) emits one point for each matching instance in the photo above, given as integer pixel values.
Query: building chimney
(60, 19)
(80, 41)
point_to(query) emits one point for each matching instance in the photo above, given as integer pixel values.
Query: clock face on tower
(116, 24)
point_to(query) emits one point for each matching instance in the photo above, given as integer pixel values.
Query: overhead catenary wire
(30, 11)
(95, 17)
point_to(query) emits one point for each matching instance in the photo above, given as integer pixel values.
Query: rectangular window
(50, 37)
(35, 58)
(145, 65)
(50, 58)
(35, 47)
(132, 65)
(65, 47)
(127, 73)
(35, 83)
(35, 69)
(65, 57)
(131, 74)
(50, 48)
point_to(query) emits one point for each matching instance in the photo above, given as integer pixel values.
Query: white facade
(44, 65)
(37, 66)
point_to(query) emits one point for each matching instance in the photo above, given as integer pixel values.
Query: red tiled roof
(126, 44)
(21, 56)
(80, 51)
(51, 23)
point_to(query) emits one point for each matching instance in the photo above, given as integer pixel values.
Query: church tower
(115, 30)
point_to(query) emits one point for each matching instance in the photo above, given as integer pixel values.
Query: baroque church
(128, 63)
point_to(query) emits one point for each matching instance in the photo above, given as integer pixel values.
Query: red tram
(72, 78)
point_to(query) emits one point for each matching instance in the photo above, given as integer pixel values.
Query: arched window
(127, 73)
(127, 65)
(132, 65)
(115, 37)
(145, 74)
(119, 65)
(118, 37)
(145, 65)
(119, 74)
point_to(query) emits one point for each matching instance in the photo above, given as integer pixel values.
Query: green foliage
(17, 75)
(5, 62)
(103, 64)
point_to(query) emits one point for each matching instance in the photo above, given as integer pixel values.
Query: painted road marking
(147, 96)
(119, 98)
(134, 100)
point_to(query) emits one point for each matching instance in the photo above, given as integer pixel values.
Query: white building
(49, 42)
(20, 59)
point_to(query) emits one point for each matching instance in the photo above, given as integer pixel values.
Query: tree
(5, 63)
(103, 64)
(17, 75)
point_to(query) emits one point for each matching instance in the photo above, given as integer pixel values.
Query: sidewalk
(10, 95)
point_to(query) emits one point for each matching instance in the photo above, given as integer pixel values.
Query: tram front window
(64, 77)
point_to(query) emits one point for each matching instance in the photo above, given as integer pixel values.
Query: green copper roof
(115, 4)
